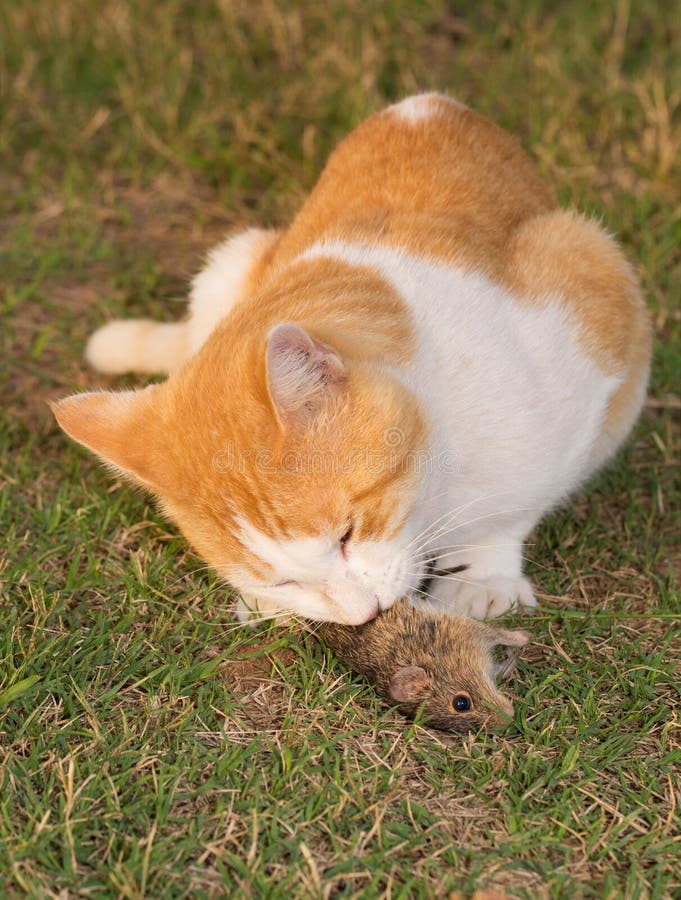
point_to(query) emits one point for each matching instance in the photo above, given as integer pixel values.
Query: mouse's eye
(462, 703)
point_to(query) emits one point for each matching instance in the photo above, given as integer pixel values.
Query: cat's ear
(121, 428)
(303, 373)
(409, 685)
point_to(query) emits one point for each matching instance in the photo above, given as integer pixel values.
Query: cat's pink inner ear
(118, 427)
(303, 373)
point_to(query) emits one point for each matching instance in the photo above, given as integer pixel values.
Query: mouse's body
(443, 664)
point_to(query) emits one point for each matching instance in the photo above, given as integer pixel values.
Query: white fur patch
(136, 345)
(325, 586)
(141, 345)
(516, 407)
(515, 402)
(421, 107)
(219, 285)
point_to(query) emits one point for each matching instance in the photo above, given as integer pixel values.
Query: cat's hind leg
(564, 255)
(232, 267)
(142, 345)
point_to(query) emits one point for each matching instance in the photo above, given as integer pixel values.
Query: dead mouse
(443, 662)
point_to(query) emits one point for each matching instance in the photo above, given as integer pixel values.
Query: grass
(147, 746)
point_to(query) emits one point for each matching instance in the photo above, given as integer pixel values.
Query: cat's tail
(138, 345)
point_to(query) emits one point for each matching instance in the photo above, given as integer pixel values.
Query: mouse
(439, 664)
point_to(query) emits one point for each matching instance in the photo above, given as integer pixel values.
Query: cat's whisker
(427, 531)
(464, 548)
(452, 524)
(461, 548)
(451, 578)
(446, 578)
(313, 627)
(430, 559)
(459, 525)
(231, 627)
(431, 525)
(190, 574)
(497, 513)
(454, 549)
(217, 588)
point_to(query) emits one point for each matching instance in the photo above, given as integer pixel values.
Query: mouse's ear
(504, 637)
(409, 685)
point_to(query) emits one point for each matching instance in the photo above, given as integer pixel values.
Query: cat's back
(427, 175)
(448, 208)
(430, 180)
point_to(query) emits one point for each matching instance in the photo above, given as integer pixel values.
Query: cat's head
(292, 469)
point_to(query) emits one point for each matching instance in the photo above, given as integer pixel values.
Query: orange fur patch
(213, 449)
(451, 186)
(455, 187)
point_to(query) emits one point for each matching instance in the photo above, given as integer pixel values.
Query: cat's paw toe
(508, 594)
(487, 598)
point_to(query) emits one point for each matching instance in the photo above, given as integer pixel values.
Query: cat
(384, 398)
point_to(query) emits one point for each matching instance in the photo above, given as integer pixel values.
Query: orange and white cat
(430, 357)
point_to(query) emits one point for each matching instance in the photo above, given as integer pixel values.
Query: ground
(149, 746)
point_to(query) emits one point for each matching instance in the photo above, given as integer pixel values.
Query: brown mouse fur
(420, 660)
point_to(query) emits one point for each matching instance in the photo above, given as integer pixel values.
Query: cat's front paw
(483, 599)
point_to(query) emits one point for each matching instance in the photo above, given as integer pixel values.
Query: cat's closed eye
(344, 540)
